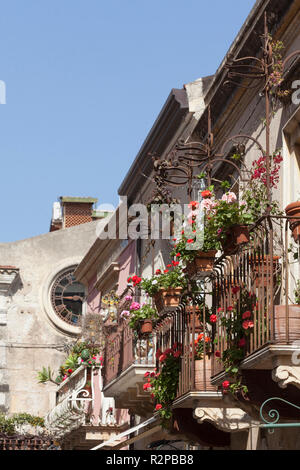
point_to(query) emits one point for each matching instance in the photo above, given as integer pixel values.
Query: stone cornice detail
(286, 375)
(225, 419)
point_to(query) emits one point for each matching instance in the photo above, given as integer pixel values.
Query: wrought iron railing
(255, 282)
(179, 330)
(125, 348)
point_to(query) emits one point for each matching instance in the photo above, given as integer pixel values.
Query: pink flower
(125, 313)
(229, 197)
(146, 374)
(247, 324)
(128, 297)
(162, 358)
(135, 306)
(207, 204)
(146, 386)
(220, 310)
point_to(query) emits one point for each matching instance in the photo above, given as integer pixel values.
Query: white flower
(154, 282)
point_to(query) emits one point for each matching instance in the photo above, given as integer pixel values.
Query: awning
(130, 431)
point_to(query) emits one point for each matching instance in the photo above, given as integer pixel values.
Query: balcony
(252, 294)
(127, 358)
(81, 417)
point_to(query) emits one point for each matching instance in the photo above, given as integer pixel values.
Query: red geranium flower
(218, 353)
(158, 271)
(206, 194)
(158, 407)
(70, 371)
(225, 384)
(166, 271)
(213, 318)
(241, 343)
(235, 289)
(246, 315)
(178, 254)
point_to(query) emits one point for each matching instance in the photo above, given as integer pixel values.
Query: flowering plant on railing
(255, 192)
(237, 319)
(140, 312)
(163, 384)
(199, 345)
(222, 214)
(82, 353)
(172, 277)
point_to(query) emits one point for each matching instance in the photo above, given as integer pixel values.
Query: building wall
(29, 338)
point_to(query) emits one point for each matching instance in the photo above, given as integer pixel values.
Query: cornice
(163, 129)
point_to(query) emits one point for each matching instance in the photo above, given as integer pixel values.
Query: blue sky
(85, 81)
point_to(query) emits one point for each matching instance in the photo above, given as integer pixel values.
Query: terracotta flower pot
(203, 263)
(146, 327)
(293, 210)
(261, 269)
(280, 333)
(236, 237)
(199, 375)
(167, 299)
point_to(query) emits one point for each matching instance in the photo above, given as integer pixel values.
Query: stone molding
(286, 375)
(225, 419)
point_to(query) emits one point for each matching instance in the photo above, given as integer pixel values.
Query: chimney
(76, 210)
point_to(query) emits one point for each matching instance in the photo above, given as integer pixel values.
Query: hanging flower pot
(203, 263)
(146, 326)
(166, 299)
(235, 238)
(293, 210)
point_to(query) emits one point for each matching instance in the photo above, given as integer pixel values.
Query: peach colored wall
(93, 298)
(127, 266)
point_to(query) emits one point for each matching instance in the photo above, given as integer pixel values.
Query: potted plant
(228, 219)
(142, 316)
(166, 287)
(292, 211)
(197, 247)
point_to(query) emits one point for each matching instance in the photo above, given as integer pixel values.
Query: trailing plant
(239, 325)
(163, 384)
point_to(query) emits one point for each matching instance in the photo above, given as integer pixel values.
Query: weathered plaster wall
(29, 338)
